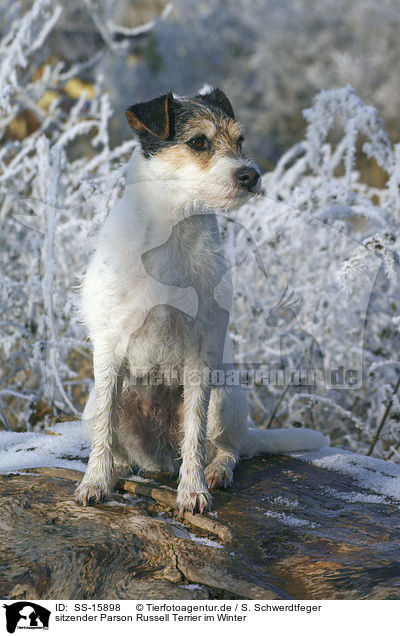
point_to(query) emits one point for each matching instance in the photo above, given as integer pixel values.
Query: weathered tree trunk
(278, 533)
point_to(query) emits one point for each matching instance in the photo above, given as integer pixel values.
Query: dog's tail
(281, 440)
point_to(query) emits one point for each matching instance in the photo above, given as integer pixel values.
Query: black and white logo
(26, 615)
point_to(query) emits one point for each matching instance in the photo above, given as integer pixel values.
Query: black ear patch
(218, 99)
(155, 117)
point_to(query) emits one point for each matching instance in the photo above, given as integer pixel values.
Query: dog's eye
(198, 143)
(240, 141)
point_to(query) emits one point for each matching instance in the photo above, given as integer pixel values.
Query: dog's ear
(218, 99)
(154, 117)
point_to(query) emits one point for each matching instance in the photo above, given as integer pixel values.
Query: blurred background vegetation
(271, 57)
(62, 103)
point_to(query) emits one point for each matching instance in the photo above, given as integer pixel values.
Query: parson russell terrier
(148, 302)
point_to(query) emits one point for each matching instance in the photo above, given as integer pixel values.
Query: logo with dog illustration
(26, 615)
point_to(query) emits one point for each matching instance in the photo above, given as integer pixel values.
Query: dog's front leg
(97, 482)
(192, 490)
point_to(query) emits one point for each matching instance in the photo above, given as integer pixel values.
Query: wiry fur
(148, 302)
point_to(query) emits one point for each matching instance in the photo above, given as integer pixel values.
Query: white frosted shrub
(329, 244)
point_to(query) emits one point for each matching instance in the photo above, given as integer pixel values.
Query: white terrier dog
(149, 305)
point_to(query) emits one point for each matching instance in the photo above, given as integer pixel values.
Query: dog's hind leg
(226, 425)
(98, 479)
(89, 413)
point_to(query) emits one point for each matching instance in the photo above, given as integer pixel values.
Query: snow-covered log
(322, 525)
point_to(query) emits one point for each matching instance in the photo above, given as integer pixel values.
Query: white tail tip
(282, 440)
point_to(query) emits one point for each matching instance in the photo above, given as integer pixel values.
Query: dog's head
(196, 144)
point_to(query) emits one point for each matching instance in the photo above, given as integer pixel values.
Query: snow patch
(204, 541)
(355, 497)
(284, 501)
(65, 449)
(379, 475)
(182, 532)
(289, 520)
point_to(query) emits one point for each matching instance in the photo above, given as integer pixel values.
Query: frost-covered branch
(331, 239)
(47, 216)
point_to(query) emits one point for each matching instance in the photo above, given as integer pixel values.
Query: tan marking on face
(222, 134)
(198, 126)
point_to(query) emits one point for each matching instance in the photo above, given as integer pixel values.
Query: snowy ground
(378, 475)
(65, 445)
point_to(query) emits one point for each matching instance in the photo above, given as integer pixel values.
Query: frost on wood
(329, 243)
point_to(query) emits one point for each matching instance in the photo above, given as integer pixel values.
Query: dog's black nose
(249, 179)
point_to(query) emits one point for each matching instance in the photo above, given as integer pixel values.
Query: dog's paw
(198, 501)
(218, 476)
(87, 494)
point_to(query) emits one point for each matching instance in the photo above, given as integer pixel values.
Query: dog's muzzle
(249, 179)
